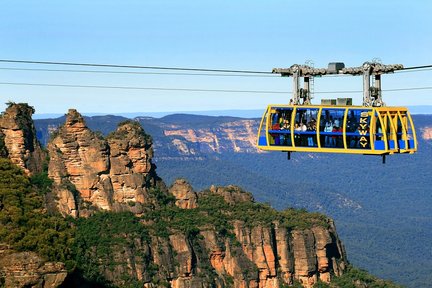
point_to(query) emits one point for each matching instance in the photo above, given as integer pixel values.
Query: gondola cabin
(337, 129)
(336, 126)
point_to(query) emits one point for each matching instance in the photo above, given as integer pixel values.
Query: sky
(223, 34)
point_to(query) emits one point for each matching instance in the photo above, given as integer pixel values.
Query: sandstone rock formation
(186, 198)
(27, 269)
(232, 194)
(19, 137)
(108, 174)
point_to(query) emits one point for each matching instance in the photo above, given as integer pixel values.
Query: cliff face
(192, 249)
(18, 135)
(106, 173)
(234, 136)
(27, 269)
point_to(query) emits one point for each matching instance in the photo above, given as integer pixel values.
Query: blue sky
(244, 35)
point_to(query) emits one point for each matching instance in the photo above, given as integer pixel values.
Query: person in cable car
(328, 128)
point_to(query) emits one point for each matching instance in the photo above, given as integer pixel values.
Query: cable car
(337, 126)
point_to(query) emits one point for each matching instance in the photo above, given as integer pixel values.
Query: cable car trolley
(337, 126)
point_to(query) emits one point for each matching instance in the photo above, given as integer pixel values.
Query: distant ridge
(252, 113)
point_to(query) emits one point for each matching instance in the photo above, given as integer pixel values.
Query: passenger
(285, 123)
(275, 127)
(275, 118)
(303, 136)
(310, 128)
(322, 123)
(303, 127)
(297, 139)
(339, 139)
(354, 143)
(333, 137)
(328, 128)
(337, 122)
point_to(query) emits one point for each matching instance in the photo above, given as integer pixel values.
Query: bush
(99, 237)
(24, 224)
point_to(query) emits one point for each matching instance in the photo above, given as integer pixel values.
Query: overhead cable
(198, 89)
(137, 73)
(160, 67)
(134, 66)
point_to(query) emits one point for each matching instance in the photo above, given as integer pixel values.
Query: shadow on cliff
(76, 279)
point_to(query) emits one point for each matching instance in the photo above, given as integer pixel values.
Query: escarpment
(233, 136)
(215, 243)
(130, 229)
(89, 170)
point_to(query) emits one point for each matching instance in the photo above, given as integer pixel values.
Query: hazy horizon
(242, 113)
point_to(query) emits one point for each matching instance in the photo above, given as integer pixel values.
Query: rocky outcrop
(186, 198)
(18, 136)
(232, 194)
(108, 174)
(27, 269)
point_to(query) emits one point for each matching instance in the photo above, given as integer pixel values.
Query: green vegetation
(213, 211)
(98, 239)
(24, 223)
(3, 150)
(354, 278)
(121, 134)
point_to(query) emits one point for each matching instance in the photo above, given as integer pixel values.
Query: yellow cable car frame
(370, 129)
(387, 130)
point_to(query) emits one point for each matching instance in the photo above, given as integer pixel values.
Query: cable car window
(280, 126)
(305, 127)
(358, 129)
(331, 127)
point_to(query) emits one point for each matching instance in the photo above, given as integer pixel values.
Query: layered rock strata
(18, 138)
(235, 136)
(27, 269)
(109, 174)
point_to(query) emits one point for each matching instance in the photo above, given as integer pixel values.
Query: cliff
(224, 239)
(236, 136)
(18, 138)
(27, 269)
